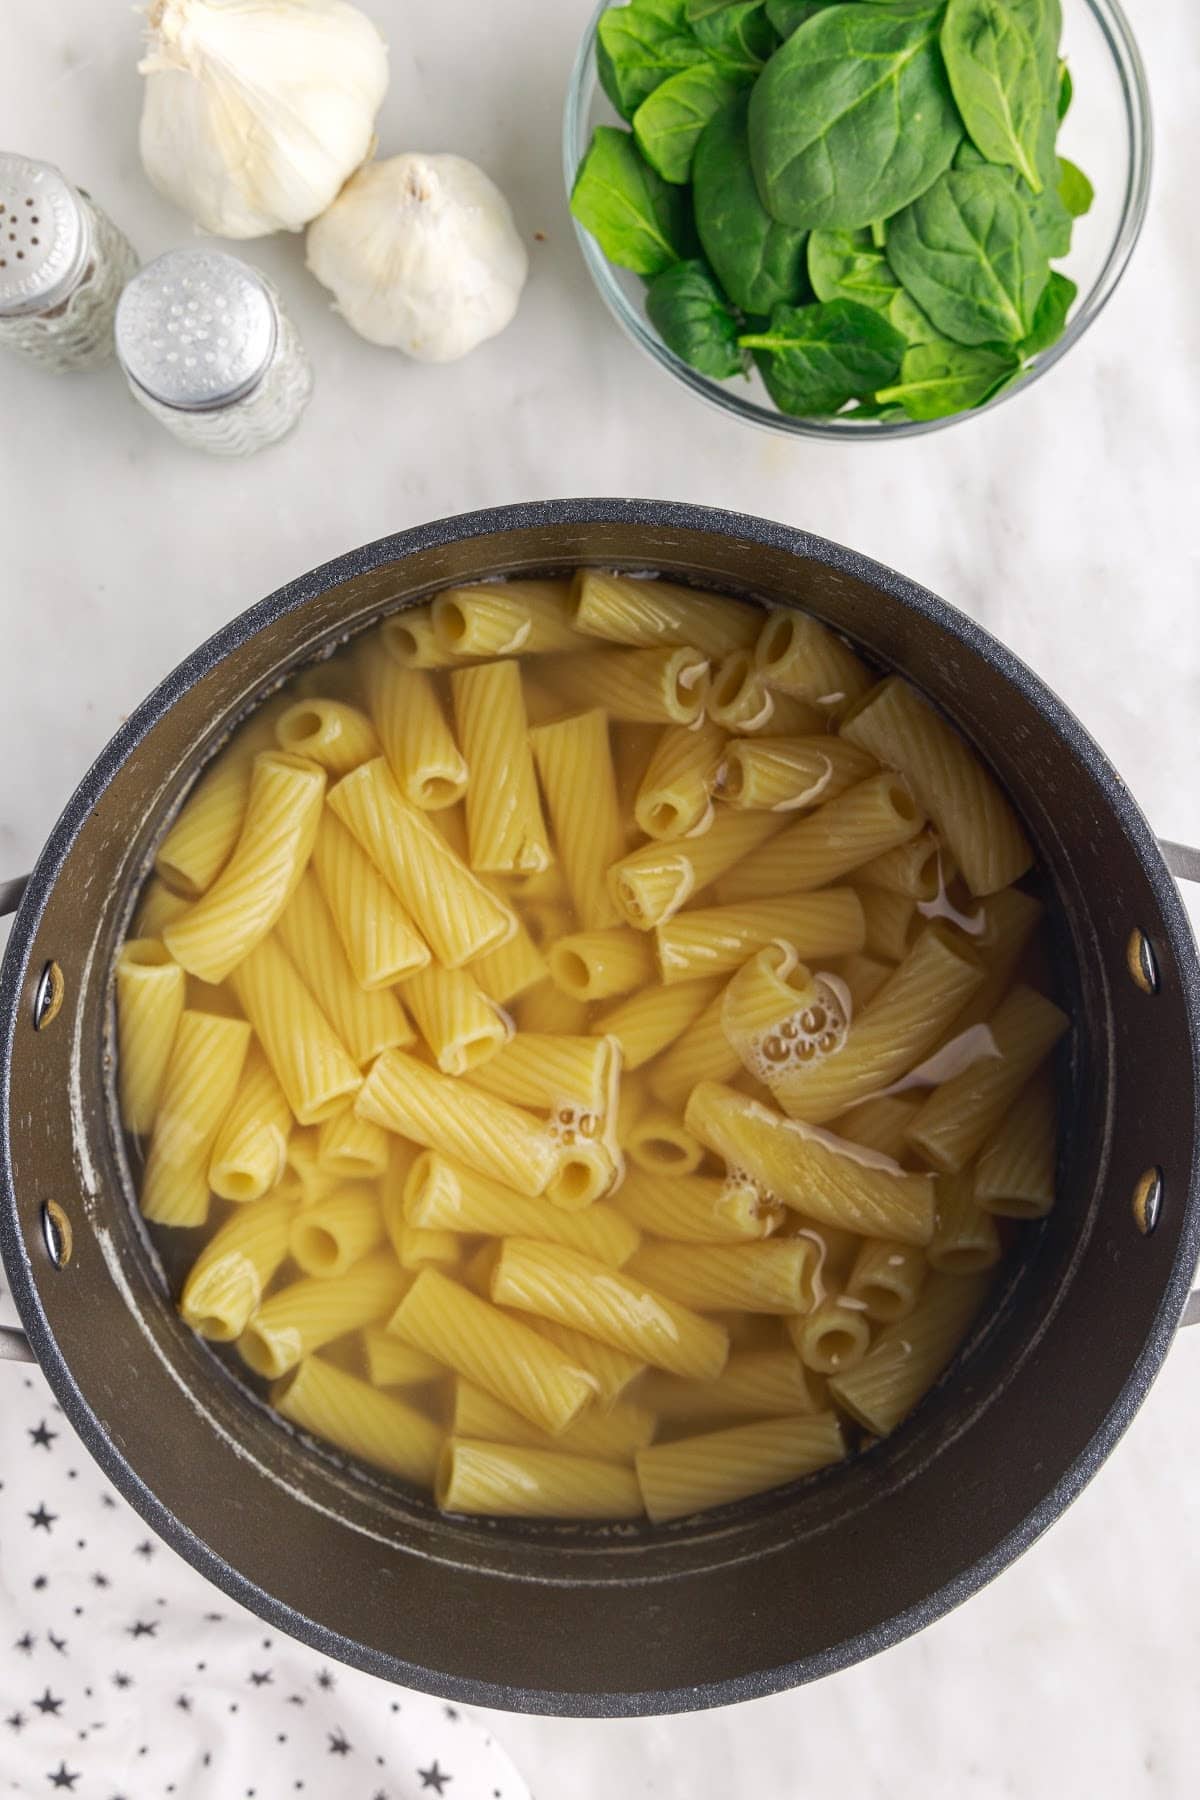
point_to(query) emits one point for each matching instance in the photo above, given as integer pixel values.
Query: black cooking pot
(601, 1620)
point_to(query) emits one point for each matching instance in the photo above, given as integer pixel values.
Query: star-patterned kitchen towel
(125, 1676)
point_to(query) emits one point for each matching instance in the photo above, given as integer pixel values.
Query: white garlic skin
(422, 255)
(256, 111)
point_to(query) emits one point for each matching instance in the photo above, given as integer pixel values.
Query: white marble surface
(1065, 522)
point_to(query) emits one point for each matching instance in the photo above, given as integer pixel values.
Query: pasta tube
(504, 815)
(498, 1479)
(913, 868)
(547, 1009)
(329, 1237)
(201, 840)
(311, 1064)
(250, 1152)
(674, 795)
(157, 907)
(864, 976)
(512, 969)
(443, 1195)
(740, 702)
(612, 1436)
(458, 916)
(352, 1149)
(834, 1337)
(965, 1239)
(828, 843)
(908, 1356)
(716, 1467)
(695, 1209)
(578, 1073)
(391, 1363)
(702, 1053)
(505, 618)
(461, 1026)
(574, 761)
(498, 1353)
(775, 1277)
(1014, 1177)
(429, 767)
(225, 1284)
(235, 914)
(306, 1315)
(330, 1403)
(647, 1022)
(488, 1135)
(890, 922)
(950, 782)
(197, 1091)
(637, 687)
(366, 1022)
(891, 1035)
(960, 1115)
(789, 774)
(150, 1001)
(716, 940)
(381, 943)
(575, 1290)
(409, 639)
(809, 1170)
(651, 884)
(880, 1123)
(763, 1384)
(303, 1168)
(887, 1278)
(660, 1143)
(801, 657)
(596, 965)
(627, 609)
(328, 732)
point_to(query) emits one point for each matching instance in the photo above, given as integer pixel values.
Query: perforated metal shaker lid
(196, 329)
(45, 238)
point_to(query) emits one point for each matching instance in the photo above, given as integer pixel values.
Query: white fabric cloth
(125, 1676)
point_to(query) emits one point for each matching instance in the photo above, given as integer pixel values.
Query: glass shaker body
(208, 350)
(63, 265)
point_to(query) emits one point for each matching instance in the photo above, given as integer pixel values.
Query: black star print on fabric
(48, 1704)
(433, 1777)
(41, 1434)
(41, 1518)
(260, 1677)
(141, 1629)
(99, 1580)
(26, 1643)
(325, 1679)
(41, 1582)
(121, 1680)
(60, 1644)
(62, 1778)
(107, 1500)
(451, 1712)
(295, 1699)
(184, 1703)
(339, 1743)
(146, 1549)
(15, 1721)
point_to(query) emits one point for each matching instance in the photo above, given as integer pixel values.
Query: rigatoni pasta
(597, 1065)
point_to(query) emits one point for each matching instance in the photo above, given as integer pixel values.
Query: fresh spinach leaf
(639, 220)
(788, 15)
(1066, 92)
(942, 378)
(639, 46)
(1049, 321)
(815, 358)
(1074, 189)
(668, 123)
(845, 265)
(757, 261)
(970, 256)
(690, 314)
(1042, 19)
(1051, 220)
(737, 33)
(853, 117)
(871, 409)
(996, 78)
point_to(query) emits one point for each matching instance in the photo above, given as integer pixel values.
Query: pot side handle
(1184, 863)
(14, 1345)
(10, 894)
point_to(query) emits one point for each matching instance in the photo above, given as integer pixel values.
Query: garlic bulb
(256, 111)
(421, 254)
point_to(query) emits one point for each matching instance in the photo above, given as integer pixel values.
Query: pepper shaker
(208, 350)
(63, 264)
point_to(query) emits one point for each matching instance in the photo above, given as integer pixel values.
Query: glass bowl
(1107, 132)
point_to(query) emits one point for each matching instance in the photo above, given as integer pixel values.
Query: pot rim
(380, 554)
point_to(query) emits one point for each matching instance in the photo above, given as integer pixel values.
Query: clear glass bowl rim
(1135, 93)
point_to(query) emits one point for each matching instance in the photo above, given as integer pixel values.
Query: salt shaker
(63, 264)
(209, 352)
